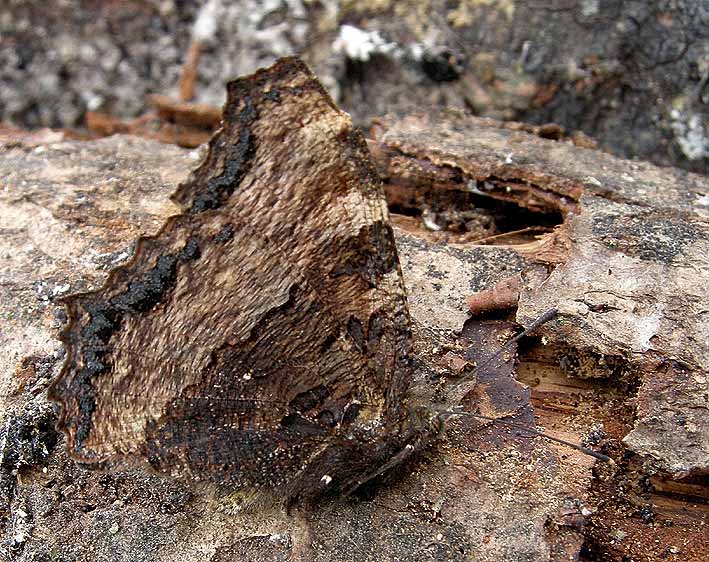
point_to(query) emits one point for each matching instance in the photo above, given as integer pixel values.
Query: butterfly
(261, 339)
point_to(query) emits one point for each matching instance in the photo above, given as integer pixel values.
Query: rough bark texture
(70, 211)
(93, 199)
(630, 73)
(632, 285)
(629, 281)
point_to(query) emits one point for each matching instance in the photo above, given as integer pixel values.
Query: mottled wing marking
(264, 325)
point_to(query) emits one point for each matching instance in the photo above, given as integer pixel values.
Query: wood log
(71, 211)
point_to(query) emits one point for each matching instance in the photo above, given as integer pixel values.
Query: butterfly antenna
(543, 319)
(534, 432)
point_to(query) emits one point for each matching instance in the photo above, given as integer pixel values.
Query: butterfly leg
(398, 458)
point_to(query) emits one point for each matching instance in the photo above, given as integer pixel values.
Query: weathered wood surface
(629, 264)
(634, 282)
(70, 211)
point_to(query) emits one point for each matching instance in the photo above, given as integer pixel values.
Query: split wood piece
(199, 115)
(188, 74)
(501, 296)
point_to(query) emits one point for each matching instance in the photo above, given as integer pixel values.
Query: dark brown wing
(266, 320)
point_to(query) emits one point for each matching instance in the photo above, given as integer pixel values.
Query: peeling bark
(630, 285)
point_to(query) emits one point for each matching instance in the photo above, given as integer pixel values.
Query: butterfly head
(364, 453)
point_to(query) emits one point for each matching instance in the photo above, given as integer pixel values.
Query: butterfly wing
(263, 323)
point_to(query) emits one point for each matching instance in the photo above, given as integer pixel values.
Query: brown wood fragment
(183, 124)
(104, 125)
(551, 249)
(545, 94)
(501, 296)
(200, 115)
(455, 362)
(188, 74)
